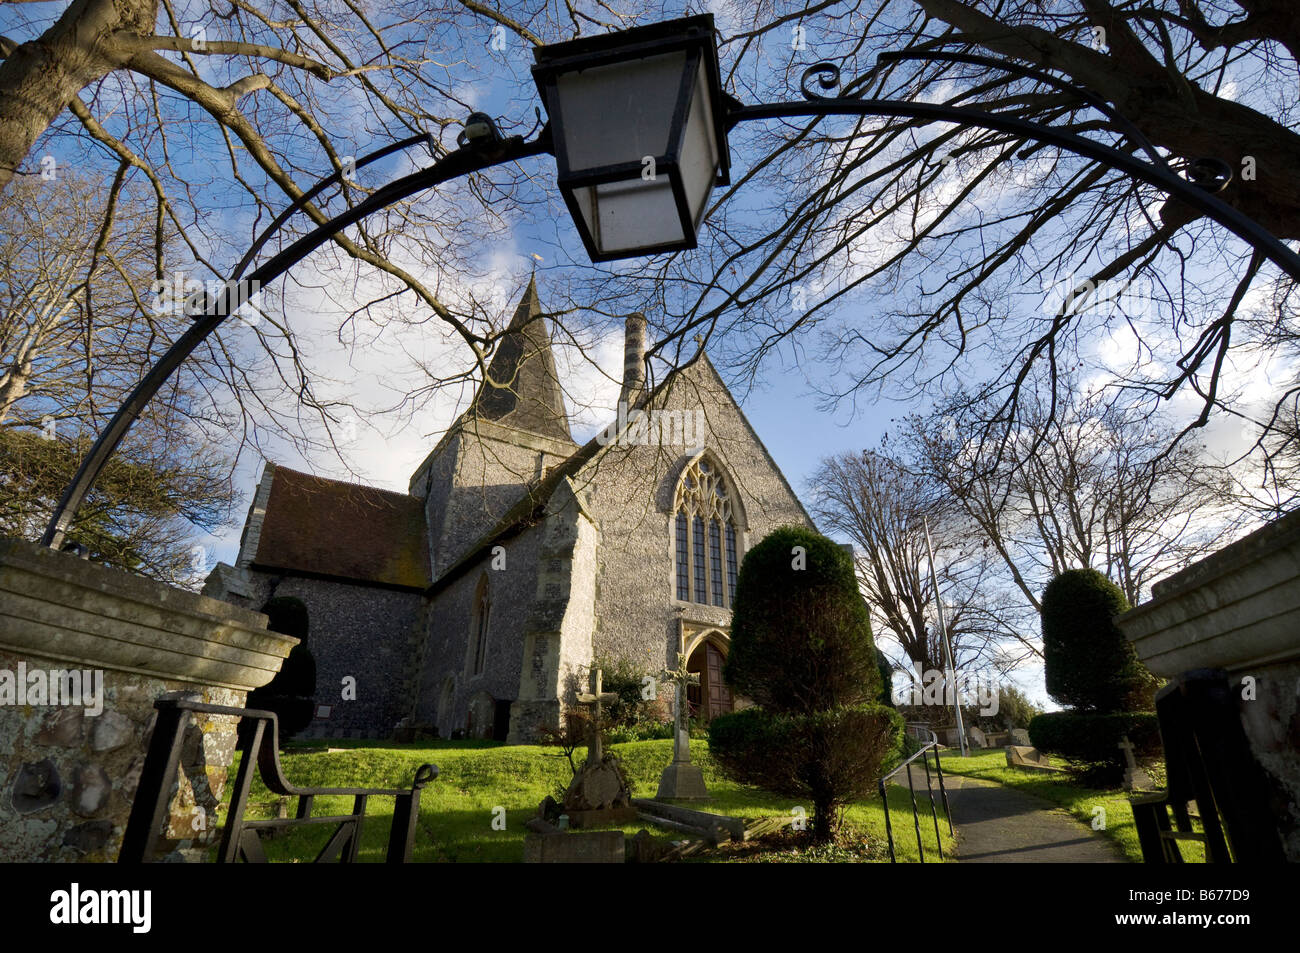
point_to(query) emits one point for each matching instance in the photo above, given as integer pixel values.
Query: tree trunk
(823, 819)
(40, 77)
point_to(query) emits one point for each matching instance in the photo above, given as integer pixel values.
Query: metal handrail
(923, 754)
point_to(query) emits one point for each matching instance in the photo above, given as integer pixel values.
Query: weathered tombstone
(599, 792)
(1019, 736)
(681, 779)
(977, 737)
(1135, 779)
(1028, 759)
(584, 847)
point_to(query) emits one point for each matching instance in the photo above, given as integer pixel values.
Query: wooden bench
(241, 838)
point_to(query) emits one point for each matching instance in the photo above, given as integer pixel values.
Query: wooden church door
(718, 700)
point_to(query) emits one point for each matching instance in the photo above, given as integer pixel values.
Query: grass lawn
(476, 778)
(1059, 789)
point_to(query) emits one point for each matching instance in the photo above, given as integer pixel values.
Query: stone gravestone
(681, 779)
(1028, 759)
(977, 737)
(1135, 779)
(599, 793)
(586, 847)
(1019, 736)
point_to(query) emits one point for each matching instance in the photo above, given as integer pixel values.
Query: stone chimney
(633, 360)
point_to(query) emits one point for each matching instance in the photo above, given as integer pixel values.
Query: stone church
(478, 600)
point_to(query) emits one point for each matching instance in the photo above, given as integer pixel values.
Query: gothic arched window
(481, 617)
(706, 547)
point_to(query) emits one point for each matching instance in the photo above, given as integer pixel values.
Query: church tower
(515, 429)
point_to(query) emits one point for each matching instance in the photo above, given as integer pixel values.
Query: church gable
(678, 493)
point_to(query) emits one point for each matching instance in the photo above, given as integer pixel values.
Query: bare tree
(1084, 483)
(926, 258)
(77, 327)
(227, 111)
(881, 504)
(918, 254)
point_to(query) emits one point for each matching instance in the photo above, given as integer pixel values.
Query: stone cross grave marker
(595, 699)
(680, 677)
(1135, 779)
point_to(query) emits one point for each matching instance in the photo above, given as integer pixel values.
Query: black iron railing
(924, 754)
(260, 750)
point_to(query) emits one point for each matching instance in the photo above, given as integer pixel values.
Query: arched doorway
(711, 697)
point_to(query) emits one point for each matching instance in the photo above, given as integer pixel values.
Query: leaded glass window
(732, 565)
(715, 560)
(683, 560)
(697, 540)
(706, 552)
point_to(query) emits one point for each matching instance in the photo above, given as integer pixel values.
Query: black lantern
(637, 121)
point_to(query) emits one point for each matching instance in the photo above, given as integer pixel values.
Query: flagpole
(947, 641)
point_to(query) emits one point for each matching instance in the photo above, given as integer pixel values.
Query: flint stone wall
(67, 777)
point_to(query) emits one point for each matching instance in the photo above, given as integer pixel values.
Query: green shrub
(886, 696)
(1015, 710)
(829, 757)
(647, 731)
(1090, 738)
(640, 716)
(801, 648)
(1089, 664)
(800, 629)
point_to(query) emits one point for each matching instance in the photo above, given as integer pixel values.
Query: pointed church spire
(524, 388)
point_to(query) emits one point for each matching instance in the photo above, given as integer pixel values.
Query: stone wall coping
(58, 606)
(1270, 538)
(128, 585)
(1237, 608)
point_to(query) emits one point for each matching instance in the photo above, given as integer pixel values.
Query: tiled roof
(330, 528)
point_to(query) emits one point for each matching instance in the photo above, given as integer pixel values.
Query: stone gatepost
(1238, 611)
(84, 653)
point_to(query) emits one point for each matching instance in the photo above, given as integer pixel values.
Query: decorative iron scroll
(828, 78)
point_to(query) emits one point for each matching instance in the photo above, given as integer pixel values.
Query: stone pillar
(1238, 611)
(84, 652)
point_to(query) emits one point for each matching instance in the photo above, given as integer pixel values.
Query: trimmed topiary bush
(1088, 737)
(800, 629)
(801, 648)
(1090, 665)
(828, 757)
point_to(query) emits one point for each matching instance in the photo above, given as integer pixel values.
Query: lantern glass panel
(630, 214)
(621, 112)
(699, 158)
